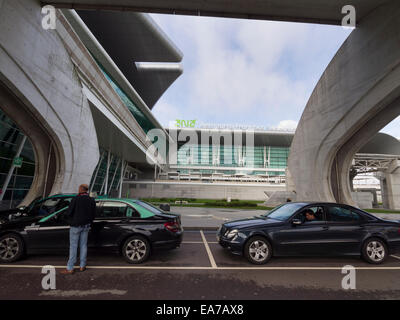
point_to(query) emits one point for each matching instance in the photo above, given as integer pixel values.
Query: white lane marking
(200, 215)
(198, 242)
(81, 293)
(395, 256)
(210, 256)
(4, 266)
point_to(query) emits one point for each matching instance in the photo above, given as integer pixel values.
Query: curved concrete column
(40, 141)
(357, 95)
(52, 110)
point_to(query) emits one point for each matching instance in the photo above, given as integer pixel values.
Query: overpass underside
(310, 11)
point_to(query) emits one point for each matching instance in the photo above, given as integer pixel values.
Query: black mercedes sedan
(128, 226)
(317, 229)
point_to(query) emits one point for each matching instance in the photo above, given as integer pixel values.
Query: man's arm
(71, 208)
(93, 209)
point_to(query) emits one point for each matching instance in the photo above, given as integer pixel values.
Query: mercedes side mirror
(297, 222)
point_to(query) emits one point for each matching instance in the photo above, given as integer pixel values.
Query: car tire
(136, 250)
(258, 250)
(11, 248)
(374, 251)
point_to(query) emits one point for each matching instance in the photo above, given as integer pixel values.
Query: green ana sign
(185, 123)
(17, 162)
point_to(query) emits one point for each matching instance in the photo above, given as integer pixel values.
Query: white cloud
(287, 125)
(167, 112)
(247, 71)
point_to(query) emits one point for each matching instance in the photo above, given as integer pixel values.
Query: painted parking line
(396, 257)
(201, 268)
(198, 242)
(210, 255)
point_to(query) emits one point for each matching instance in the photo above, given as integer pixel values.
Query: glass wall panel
(140, 117)
(235, 157)
(21, 179)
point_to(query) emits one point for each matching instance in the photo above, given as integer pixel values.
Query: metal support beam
(124, 164)
(97, 171)
(115, 172)
(109, 160)
(105, 182)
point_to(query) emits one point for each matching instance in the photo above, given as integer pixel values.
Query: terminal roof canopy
(312, 11)
(131, 38)
(135, 36)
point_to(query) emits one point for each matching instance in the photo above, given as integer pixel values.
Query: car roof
(60, 195)
(306, 203)
(130, 200)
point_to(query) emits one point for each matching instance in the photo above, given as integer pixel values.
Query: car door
(109, 224)
(307, 238)
(51, 233)
(345, 230)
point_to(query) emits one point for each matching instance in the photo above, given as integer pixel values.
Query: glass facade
(97, 183)
(140, 117)
(21, 179)
(235, 157)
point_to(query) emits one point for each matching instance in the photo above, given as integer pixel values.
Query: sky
(247, 72)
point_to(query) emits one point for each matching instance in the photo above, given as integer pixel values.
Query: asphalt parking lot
(201, 269)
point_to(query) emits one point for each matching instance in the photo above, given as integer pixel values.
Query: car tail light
(172, 226)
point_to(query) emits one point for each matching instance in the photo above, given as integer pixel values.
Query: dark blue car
(305, 228)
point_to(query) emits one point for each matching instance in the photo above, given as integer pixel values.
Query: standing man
(81, 212)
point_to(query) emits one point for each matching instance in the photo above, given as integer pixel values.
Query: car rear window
(340, 214)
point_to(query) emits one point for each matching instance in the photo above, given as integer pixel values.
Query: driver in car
(310, 216)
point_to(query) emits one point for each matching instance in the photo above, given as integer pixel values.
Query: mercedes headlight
(231, 234)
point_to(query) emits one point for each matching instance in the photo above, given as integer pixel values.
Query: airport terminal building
(76, 107)
(256, 170)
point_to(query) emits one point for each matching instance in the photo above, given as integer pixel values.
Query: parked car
(336, 229)
(131, 227)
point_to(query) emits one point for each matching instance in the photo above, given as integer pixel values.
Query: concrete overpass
(311, 11)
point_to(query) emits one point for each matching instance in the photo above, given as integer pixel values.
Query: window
(50, 206)
(342, 214)
(284, 211)
(52, 209)
(112, 209)
(149, 207)
(132, 213)
(10, 139)
(311, 214)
